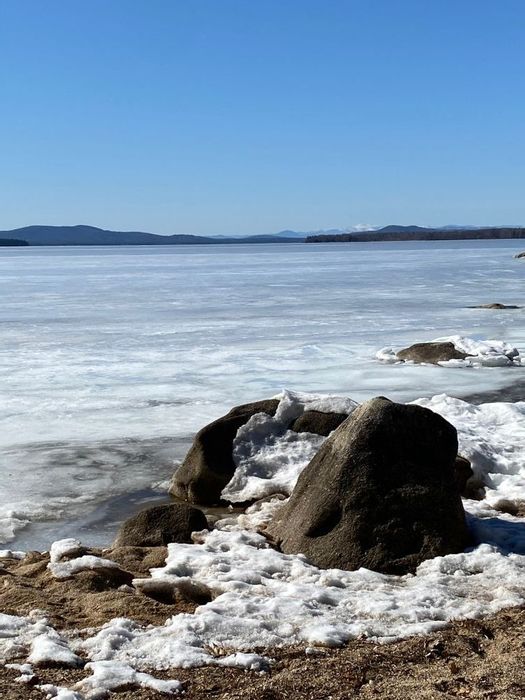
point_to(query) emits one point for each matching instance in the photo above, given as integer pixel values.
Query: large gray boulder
(431, 353)
(160, 525)
(380, 493)
(209, 465)
(318, 422)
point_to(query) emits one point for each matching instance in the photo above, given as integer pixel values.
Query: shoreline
(478, 658)
(100, 525)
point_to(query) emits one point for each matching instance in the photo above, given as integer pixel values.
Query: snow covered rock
(155, 527)
(209, 465)
(431, 353)
(380, 493)
(233, 459)
(67, 559)
(455, 351)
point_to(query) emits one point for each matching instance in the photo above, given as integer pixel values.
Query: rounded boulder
(381, 493)
(160, 525)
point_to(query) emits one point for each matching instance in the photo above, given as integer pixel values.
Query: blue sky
(251, 116)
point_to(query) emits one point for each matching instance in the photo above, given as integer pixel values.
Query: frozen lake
(110, 358)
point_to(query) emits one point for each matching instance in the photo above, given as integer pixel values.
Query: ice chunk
(65, 569)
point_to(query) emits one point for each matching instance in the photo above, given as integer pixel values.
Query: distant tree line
(12, 241)
(425, 235)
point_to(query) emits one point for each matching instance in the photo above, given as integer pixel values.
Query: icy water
(110, 358)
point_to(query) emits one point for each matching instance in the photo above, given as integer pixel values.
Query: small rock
(101, 579)
(318, 422)
(139, 560)
(160, 525)
(495, 306)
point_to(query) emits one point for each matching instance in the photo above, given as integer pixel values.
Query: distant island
(418, 233)
(91, 235)
(12, 242)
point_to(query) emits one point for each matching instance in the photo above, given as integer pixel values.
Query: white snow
(490, 353)
(265, 599)
(65, 569)
(64, 561)
(268, 456)
(11, 554)
(59, 693)
(26, 672)
(34, 636)
(492, 437)
(112, 675)
(50, 647)
(68, 547)
(486, 353)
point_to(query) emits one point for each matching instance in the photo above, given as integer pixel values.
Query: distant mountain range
(91, 235)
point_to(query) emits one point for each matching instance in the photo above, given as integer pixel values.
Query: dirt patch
(89, 598)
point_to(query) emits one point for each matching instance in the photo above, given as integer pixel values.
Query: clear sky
(251, 116)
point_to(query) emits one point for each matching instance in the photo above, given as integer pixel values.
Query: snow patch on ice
(388, 355)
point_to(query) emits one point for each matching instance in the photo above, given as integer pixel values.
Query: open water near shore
(111, 358)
